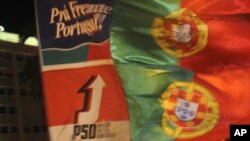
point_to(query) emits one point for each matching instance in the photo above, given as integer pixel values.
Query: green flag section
(131, 31)
(145, 69)
(184, 66)
(144, 85)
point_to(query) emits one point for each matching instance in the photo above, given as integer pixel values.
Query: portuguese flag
(184, 66)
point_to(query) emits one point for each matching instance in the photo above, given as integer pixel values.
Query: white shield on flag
(181, 33)
(186, 110)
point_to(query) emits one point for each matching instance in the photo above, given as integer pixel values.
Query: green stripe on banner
(55, 57)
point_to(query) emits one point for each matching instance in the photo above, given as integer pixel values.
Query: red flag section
(223, 65)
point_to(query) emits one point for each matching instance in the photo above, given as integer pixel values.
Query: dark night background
(18, 16)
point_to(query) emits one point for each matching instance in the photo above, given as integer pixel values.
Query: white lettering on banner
(88, 27)
(101, 131)
(79, 10)
(76, 19)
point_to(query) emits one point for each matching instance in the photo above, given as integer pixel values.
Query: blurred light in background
(1, 28)
(14, 38)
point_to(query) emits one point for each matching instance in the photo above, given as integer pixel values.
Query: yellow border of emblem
(210, 119)
(159, 33)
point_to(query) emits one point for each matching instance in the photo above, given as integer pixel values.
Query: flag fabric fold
(184, 66)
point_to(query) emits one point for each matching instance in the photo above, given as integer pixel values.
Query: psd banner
(83, 95)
